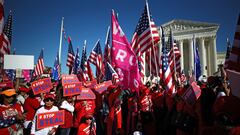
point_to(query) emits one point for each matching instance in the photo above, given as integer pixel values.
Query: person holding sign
(48, 107)
(11, 113)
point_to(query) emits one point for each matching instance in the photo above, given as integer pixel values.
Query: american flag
(150, 57)
(6, 37)
(71, 56)
(84, 64)
(111, 74)
(174, 55)
(146, 34)
(76, 64)
(167, 75)
(234, 58)
(56, 69)
(38, 70)
(96, 59)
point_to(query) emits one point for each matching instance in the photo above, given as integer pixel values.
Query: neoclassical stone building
(205, 37)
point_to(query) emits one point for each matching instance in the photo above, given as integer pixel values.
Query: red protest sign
(50, 119)
(91, 84)
(72, 89)
(102, 86)
(6, 84)
(191, 95)
(86, 93)
(69, 79)
(41, 86)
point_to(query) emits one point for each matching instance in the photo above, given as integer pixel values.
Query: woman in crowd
(11, 113)
(48, 107)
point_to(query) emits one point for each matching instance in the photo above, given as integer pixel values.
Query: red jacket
(82, 108)
(30, 106)
(8, 113)
(68, 120)
(84, 129)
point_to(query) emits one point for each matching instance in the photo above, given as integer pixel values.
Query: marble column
(214, 54)
(182, 56)
(191, 56)
(203, 56)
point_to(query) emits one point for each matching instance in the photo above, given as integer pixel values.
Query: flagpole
(152, 39)
(60, 45)
(194, 55)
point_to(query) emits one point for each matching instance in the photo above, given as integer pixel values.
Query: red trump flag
(124, 59)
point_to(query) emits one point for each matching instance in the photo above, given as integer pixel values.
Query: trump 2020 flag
(56, 69)
(124, 59)
(197, 64)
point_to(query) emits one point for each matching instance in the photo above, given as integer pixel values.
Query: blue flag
(197, 64)
(56, 69)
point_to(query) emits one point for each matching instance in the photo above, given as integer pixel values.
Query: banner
(69, 79)
(124, 59)
(191, 95)
(41, 86)
(50, 119)
(71, 89)
(86, 93)
(100, 88)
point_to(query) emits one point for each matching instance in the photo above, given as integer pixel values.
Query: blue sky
(36, 23)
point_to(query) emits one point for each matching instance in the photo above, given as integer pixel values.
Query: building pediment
(182, 27)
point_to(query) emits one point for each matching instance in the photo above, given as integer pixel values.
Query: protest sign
(191, 95)
(41, 86)
(18, 61)
(71, 89)
(69, 79)
(234, 78)
(50, 119)
(102, 86)
(91, 84)
(86, 93)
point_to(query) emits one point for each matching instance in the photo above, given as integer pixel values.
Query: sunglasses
(89, 118)
(49, 99)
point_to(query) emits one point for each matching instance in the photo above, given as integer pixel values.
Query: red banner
(6, 84)
(100, 88)
(50, 119)
(41, 86)
(86, 93)
(69, 79)
(72, 89)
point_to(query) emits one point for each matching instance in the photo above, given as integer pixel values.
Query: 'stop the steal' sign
(71, 89)
(41, 86)
(69, 79)
(50, 119)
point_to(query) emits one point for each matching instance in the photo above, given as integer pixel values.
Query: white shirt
(43, 131)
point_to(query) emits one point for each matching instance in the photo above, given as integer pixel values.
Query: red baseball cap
(49, 95)
(23, 89)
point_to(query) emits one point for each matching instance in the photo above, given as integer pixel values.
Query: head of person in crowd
(8, 96)
(88, 118)
(23, 90)
(49, 99)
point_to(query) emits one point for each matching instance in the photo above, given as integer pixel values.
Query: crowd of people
(152, 111)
